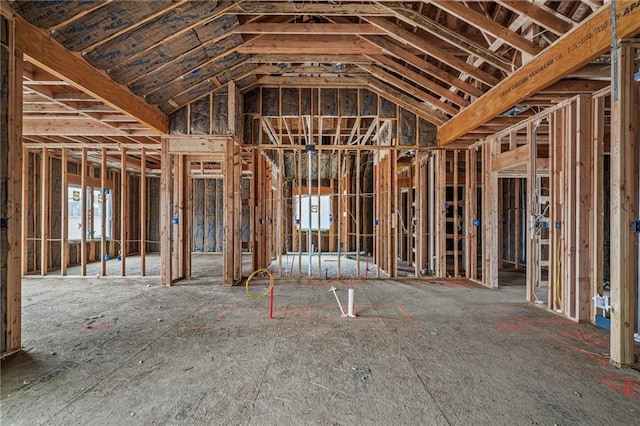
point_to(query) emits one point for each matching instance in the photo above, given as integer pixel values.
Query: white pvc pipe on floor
(350, 312)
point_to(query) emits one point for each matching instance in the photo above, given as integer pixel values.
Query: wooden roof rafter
(435, 57)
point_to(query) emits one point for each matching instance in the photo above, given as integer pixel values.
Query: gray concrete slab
(127, 351)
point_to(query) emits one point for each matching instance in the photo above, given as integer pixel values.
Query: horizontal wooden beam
(574, 87)
(197, 144)
(76, 126)
(267, 58)
(306, 70)
(55, 59)
(515, 159)
(485, 24)
(538, 15)
(307, 8)
(415, 41)
(311, 81)
(310, 44)
(306, 28)
(572, 51)
(452, 37)
(395, 50)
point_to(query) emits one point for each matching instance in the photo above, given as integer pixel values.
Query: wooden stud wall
(90, 169)
(625, 151)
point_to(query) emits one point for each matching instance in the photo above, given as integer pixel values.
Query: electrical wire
(267, 291)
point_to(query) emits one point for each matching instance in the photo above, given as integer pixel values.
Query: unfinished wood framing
(143, 212)
(11, 177)
(166, 192)
(471, 216)
(84, 222)
(103, 213)
(625, 148)
(456, 151)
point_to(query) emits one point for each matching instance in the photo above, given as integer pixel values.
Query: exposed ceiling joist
(53, 58)
(575, 49)
(538, 15)
(310, 44)
(427, 48)
(464, 13)
(306, 28)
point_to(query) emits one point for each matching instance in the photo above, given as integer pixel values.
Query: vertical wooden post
(339, 209)
(44, 212)
(569, 228)
(165, 214)
(597, 199)
(319, 192)
(358, 202)
(178, 192)
(419, 186)
(583, 209)
(441, 213)
(229, 245)
(300, 211)
(624, 207)
(556, 181)
(490, 216)
(456, 233)
(13, 190)
(377, 239)
(85, 218)
(103, 213)
(433, 213)
(533, 260)
(143, 212)
(26, 155)
(413, 241)
(471, 241)
(281, 211)
(176, 214)
(237, 210)
(124, 211)
(64, 215)
(181, 237)
(11, 196)
(393, 208)
(517, 222)
(253, 209)
(500, 237)
(187, 203)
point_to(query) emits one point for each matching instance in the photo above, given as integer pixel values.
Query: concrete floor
(127, 351)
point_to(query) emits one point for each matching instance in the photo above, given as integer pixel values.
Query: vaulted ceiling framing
(150, 58)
